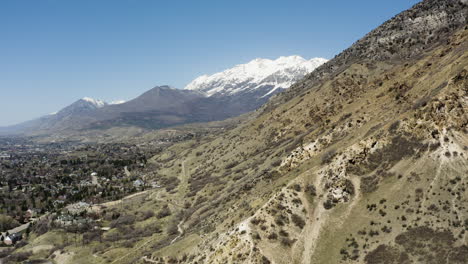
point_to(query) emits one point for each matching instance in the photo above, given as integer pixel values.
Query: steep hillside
(405, 36)
(369, 167)
(364, 162)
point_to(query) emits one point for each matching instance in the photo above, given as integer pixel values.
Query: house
(29, 214)
(138, 183)
(78, 208)
(12, 239)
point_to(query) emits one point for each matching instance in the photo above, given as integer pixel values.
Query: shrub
(123, 220)
(165, 211)
(369, 184)
(7, 222)
(265, 260)
(386, 254)
(311, 190)
(349, 187)
(148, 214)
(328, 156)
(231, 165)
(328, 204)
(283, 233)
(42, 226)
(298, 221)
(18, 257)
(172, 229)
(91, 236)
(287, 242)
(297, 187)
(272, 236)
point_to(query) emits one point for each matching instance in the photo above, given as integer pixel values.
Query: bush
(231, 165)
(7, 222)
(328, 204)
(91, 236)
(172, 229)
(42, 226)
(369, 184)
(165, 211)
(286, 241)
(311, 190)
(148, 214)
(123, 220)
(349, 187)
(328, 156)
(272, 236)
(298, 221)
(18, 257)
(5, 253)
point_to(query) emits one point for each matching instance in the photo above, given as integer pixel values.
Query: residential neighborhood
(64, 181)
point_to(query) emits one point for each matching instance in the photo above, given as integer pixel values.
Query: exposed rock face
(373, 156)
(405, 36)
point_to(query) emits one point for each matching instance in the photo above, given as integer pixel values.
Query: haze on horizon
(54, 53)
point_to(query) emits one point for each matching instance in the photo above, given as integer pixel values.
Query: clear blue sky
(53, 52)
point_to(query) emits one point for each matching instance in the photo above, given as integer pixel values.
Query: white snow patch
(96, 102)
(117, 102)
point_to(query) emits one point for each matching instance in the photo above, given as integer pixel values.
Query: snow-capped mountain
(96, 102)
(85, 104)
(262, 76)
(230, 93)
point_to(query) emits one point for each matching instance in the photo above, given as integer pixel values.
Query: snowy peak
(83, 105)
(95, 102)
(258, 73)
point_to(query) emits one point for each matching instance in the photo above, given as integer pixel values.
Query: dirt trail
(318, 216)
(184, 176)
(180, 230)
(357, 195)
(180, 225)
(135, 249)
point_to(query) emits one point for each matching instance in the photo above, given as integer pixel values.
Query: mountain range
(364, 160)
(207, 98)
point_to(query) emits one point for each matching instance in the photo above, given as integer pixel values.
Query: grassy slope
(236, 193)
(246, 173)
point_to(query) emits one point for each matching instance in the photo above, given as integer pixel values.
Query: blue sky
(53, 52)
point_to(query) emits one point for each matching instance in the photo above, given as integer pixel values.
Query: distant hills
(208, 98)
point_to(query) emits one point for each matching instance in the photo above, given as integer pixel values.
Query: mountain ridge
(240, 89)
(363, 164)
(279, 73)
(408, 38)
